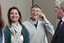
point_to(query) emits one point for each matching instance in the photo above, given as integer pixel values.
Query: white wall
(23, 5)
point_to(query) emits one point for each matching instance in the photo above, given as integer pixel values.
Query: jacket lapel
(59, 29)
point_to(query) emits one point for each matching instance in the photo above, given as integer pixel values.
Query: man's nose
(35, 12)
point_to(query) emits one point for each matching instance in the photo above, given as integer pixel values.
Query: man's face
(59, 12)
(35, 12)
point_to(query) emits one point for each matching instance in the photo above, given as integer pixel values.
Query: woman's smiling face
(14, 15)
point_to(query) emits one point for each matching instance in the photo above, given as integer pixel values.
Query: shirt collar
(62, 19)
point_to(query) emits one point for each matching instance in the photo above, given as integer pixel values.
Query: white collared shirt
(62, 20)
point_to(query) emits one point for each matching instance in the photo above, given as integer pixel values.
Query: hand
(42, 16)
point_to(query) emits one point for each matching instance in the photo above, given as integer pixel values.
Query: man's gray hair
(59, 3)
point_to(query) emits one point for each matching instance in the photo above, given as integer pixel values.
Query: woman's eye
(12, 13)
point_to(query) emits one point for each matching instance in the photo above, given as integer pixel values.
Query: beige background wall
(23, 5)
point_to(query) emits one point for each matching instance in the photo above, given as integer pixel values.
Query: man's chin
(59, 17)
(35, 17)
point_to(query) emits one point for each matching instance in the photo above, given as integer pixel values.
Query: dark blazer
(59, 35)
(24, 32)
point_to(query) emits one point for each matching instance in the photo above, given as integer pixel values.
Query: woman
(1, 27)
(15, 32)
